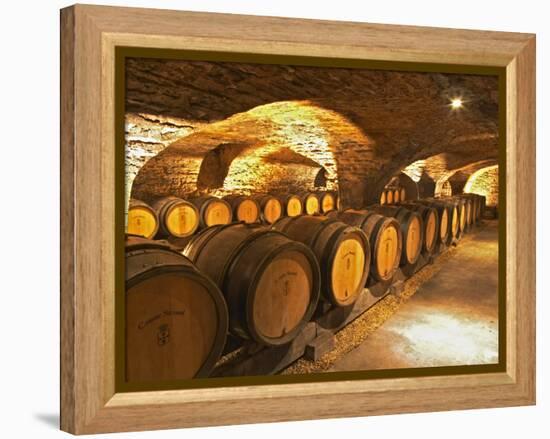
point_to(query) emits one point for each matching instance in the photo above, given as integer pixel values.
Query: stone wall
(206, 127)
(485, 182)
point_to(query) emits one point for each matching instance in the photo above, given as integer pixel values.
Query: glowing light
(448, 339)
(456, 103)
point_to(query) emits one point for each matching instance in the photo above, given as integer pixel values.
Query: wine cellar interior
(295, 219)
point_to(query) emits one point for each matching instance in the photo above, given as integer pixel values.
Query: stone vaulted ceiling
(207, 127)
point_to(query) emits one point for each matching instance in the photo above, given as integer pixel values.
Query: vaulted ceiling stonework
(207, 127)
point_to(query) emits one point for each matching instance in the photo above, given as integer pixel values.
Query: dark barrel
(177, 217)
(175, 317)
(343, 253)
(271, 284)
(385, 239)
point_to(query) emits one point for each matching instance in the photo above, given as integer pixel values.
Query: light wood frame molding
(89, 35)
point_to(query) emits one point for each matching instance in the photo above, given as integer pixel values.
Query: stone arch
(484, 181)
(406, 182)
(426, 186)
(295, 138)
(459, 177)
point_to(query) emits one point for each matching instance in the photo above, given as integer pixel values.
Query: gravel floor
(357, 331)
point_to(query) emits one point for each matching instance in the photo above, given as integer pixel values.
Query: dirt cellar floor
(446, 315)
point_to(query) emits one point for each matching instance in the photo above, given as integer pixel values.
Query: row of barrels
(263, 282)
(393, 195)
(175, 217)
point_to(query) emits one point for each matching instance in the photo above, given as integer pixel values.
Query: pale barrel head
(171, 325)
(327, 203)
(142, 222)
(272, 210)
(217, 212)
(454, 221)
(443, 224)
(182, 220)
(312, 205)
(348, 268)
(294, 206)
(283, 294)
(430, 231)
(387, 253)
(413, 239)
(247, 211)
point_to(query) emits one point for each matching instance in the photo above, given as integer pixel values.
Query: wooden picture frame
(89, 38)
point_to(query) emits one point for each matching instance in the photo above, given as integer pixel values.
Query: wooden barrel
(389, 196)
(470, 209)
(385, 240)
(292, 204)
(271, 283)
(403, 194)
(383, 198)
(475, 199)
(396, 196)
(176, 317)
(411, 227)
(343, 253)
(430, 219)
(271, 208)
(142, 219)
(447, 215)
(310, 202)
(327, 201)
(461, 209)
(213, 211)
(177, 217)
(244, 208)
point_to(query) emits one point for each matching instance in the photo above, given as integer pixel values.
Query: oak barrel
(389, 196)
(176, 317)
(271, 284)
(213, 211)
(430, 219)
(292, 204)
(385, 240)
(142, 219)
(412, 228)
(177, 217)
(327, 201)
(461, 210)
(343, 253)
(396, 196)
(310, 202)
(271, 208)
(447, 215)
(243, 208)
